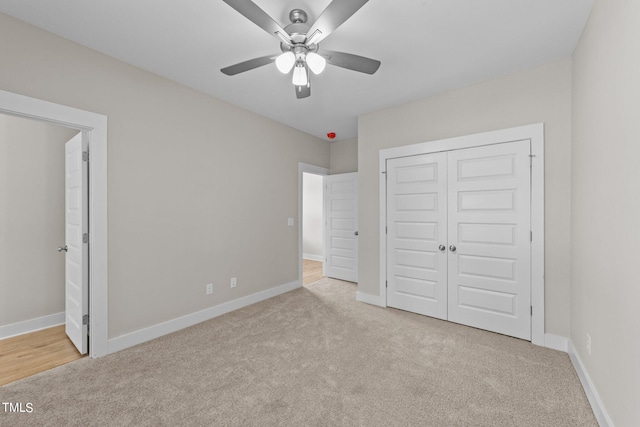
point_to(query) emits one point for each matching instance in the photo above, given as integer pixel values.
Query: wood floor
(36, 352)
(311, 271)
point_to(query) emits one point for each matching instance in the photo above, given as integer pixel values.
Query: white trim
(556, 342)
(534, 133)
(599, 410)
(313, 257)
(370, 299)
(155, 331)
(537, 228)
(32, 325)
(95, 127)
(382, 194)
(316, 170)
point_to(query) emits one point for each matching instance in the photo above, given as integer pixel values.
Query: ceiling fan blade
(253, 13)
(303, 91)
(332, 17)
(350, 61)
(247, 65)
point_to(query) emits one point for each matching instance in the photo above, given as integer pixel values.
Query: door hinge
(85, 319)
(85, 238)
(531, 236)
(386, 229)
(85, 156)
(386, 284)
(531, 310)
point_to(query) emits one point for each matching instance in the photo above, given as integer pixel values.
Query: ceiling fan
(299, 43)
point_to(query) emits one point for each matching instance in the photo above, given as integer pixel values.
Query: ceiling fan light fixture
(300, 75)
(316, 62)
(285, 62)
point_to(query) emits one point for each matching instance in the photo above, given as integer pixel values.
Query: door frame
(316, 170)
(534, 133)
(94, 128)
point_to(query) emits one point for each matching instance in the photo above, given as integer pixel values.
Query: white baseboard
(589, 388)
(556, 342)
(313, 257)
(370, 299)
(24, 327)
(155, 331)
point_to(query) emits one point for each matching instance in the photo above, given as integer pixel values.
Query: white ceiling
(425, 46)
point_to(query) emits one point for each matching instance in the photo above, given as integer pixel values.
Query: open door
(341, 216)
(77, 242)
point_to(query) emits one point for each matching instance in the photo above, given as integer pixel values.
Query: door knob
(442, 248)
(452, 248)
(62, 248)
(355, 233)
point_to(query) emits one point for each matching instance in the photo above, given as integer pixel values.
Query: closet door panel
(488, 233)
(416, 228)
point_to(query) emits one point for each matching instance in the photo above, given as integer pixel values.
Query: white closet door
(489, 238)
(416, 228)
(341, 213)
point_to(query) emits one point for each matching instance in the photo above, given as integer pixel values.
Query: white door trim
(94, 127)
(534, 133)
(316, 170)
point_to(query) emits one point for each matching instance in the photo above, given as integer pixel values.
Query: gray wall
(539, 95)
(605, 234)
(344, 156)
(184, 206)
(31, 218)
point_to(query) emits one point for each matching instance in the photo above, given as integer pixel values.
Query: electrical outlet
(234, 282)
(289, 222)
(589, 344)
(209, 288)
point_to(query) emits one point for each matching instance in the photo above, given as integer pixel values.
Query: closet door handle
(452, 248)
(442, 248)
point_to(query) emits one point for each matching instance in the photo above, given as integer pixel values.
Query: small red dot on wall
(331, 135)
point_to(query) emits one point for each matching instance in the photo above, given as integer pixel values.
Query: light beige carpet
(311, 357)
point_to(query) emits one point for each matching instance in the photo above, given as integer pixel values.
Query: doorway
(94, 131)
(312, 227)
(338, 227)
(311, 262)
(35, 303)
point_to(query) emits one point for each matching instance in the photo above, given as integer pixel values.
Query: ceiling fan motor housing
(298, 16)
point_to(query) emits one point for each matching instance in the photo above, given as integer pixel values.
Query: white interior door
(489, 238)
(458, 236)
(76, 226)
(417, 234)
(341, 216)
